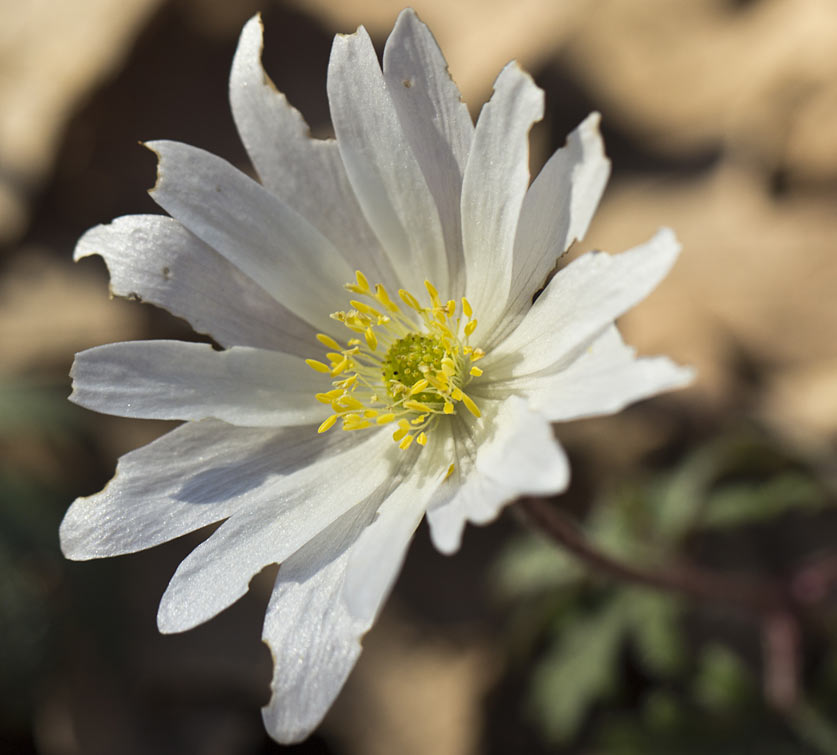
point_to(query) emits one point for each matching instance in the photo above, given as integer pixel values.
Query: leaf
(579, 669)
(742, 503)
(722, 681)
(531, 565)
(655, 632)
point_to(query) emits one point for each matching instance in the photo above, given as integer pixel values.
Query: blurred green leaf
(722, 681)
(742, 503)
(530, 565)
(28, 407)
(655, 632)
(579, 669)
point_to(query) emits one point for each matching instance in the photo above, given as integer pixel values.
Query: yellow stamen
(419, 386)
(417, 406)
(470, 327)
(405, 443)
(371, 340)
(365, 308)
(466, 308)
(350, 402)
(383, 297)
(409, 299)
(341, 367)
(434, 294)
(471, 406)
(362, 285)
(475, 371)
(328, 341)
(317, 366)
(421, 439)
(327, 423)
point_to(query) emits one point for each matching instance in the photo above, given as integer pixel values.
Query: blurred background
(720, 117)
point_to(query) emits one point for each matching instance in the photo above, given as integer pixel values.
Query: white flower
(436, 344)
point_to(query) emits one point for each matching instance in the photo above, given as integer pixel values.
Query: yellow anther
(446, 334)
(350, 402)
(382, 296)
(370, 413)
(365, 308)
(406, 442)
(434, 294)
(475, 371)
(439, 381)
(323, 398)
(466, 308)
(421, 439)
(472, 407)
(448, 367)
(328, 341)
(417, 406)
(448, 408)
(317, 366)
(342, 367)
(450, 307)
(327, 424)
(409, 299)
(420, 420)
(362, 281)
(419, 386)
(335, 357)
(356, 425)
(384, 419)
(450, 471)
(371, 340)
(457, 394)
(400, 433)
(470, 327)
(477, 354)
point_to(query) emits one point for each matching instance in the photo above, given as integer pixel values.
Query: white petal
(328, 594)
(180, 380)
(277, 522)
(557, 211)
(379, 161)
(312, 637)
(604, 380)
(579, 303)
(155, 259)
(380, 551)
(252, 228)
(307, 174)
(517, 455)
(495, 182)
(193, 476)
(435, 121)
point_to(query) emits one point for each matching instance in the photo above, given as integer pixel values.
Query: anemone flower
(381, 357)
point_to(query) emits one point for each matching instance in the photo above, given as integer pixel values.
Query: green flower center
(408, 360)
(427, 362)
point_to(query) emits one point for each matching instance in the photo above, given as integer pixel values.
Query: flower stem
(755, 596)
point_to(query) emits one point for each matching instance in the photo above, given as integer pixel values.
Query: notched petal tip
(155, 147)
